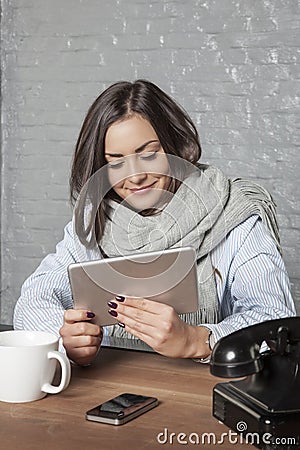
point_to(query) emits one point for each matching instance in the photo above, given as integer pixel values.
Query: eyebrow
(138, 150)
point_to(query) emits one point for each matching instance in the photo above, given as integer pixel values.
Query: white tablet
(168, 276)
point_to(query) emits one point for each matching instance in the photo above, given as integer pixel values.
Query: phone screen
(122, 408)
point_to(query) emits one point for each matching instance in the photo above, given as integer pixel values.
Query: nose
(135, 171)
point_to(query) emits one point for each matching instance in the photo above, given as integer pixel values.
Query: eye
(115, 165)
(149, 155)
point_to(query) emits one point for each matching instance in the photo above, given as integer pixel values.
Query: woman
(135, 172)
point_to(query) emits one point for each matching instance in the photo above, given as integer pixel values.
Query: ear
(238, 354)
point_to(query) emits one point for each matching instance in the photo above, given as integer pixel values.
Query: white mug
(27, 365)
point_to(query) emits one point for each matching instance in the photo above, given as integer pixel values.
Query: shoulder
(70, 249)
(246, 240)
(242, 231)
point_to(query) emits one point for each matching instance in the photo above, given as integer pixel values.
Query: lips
(142, 189)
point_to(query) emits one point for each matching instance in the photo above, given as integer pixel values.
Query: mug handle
(65, 373)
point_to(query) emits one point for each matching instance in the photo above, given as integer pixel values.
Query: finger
(145, 304)
(138, 322)
(77, 315)
(80, 329)
(161, 312)
(82, 341)
(141, 330)
(146, 333)
(140, 303)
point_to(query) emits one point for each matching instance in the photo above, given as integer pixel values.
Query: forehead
(129, 134)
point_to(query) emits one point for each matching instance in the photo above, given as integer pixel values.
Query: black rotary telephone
(265, 405)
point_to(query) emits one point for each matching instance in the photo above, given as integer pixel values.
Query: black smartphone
(121, 409)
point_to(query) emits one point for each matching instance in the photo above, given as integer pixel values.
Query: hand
(81, 338)
(159, 326)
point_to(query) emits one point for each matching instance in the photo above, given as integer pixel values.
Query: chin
(141, 204)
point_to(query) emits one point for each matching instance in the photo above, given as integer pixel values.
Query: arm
(255, 285)
(159, 326)
(46, 294)
(254, 288)
(46, 301)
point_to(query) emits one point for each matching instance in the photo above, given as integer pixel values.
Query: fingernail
(90, 315)
(120, 298)
(121, 324)
(112, 312)
(112, 305)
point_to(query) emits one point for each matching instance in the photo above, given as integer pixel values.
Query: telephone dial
(267, 400)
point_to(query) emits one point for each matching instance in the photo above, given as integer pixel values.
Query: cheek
(115, 179)
(160, 166)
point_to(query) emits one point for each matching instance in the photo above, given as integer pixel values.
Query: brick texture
(234, 65)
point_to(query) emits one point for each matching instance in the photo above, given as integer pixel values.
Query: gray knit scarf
(204, 209)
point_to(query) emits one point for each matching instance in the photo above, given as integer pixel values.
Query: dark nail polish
(120, 298)
(121, 324)
(112, 312)
(112, 305)
(90, 315)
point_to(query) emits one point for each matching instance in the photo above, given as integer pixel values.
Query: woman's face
(138, 168)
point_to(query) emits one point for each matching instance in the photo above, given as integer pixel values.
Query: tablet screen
(168, 277)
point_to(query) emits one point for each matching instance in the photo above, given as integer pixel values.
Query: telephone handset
(268, 398)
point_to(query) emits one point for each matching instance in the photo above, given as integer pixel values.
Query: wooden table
(57, 422)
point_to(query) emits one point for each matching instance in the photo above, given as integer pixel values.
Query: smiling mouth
(142, 189)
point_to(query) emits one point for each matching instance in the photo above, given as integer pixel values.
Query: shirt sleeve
(46, 294)
(253, 283)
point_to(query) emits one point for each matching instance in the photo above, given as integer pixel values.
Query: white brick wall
(234, 65)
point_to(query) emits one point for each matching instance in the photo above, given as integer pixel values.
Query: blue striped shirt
(252, 282)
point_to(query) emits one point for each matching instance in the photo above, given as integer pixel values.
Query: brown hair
(176, 132)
